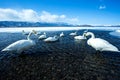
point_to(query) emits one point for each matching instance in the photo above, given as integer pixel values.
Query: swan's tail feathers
(118, 51)
(6, 50)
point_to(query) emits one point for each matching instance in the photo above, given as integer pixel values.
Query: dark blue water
(66, 59)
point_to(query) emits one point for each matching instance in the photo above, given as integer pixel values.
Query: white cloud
(62, 16)
(8, 14)
(28, 15)
(73, 20)
(33, 16)
(102, 7)
(47, 17)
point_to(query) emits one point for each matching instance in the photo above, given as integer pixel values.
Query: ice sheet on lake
(27, 29)
(115, 33)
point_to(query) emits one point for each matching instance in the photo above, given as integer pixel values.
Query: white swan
(20, 45)
(43, 36)
(73, 33)
(100, 44)
(52, 39)
(25, 33)
(80, 37)
(61, 34)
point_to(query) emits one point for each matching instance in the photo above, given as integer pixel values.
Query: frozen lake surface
(55, 28)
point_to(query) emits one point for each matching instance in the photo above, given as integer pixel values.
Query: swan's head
(23, 31)
(84, 34)
(89, 34)
(30, 33)
(35, 32)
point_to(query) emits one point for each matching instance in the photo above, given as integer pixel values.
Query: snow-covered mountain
(31, 24)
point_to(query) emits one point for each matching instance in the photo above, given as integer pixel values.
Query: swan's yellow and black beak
(34, 31)
(84, 34)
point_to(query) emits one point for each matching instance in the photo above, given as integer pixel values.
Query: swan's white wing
(79, 37)
(13, 46)
(42, 36)
(49, 39)
(18, 45)
(72, 34)
(61, 34)
(101, 44)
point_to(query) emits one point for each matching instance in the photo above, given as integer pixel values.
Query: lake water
(66, 59)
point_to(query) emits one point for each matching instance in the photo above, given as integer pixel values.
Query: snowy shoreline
(27, 29)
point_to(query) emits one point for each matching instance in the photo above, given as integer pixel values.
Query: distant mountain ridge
(45, 24)
(31, 24)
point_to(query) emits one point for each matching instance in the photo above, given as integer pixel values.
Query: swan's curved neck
(92, 35)
(23, 31)
(28, 37)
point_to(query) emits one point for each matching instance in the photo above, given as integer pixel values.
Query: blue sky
(99, 12)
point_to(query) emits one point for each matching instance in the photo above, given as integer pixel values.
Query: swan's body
(20, 45)
(62, 34)
(52, 39)
(100, 44)
(80, 37)
(43, 36)
(25, 33)
(73, 33)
